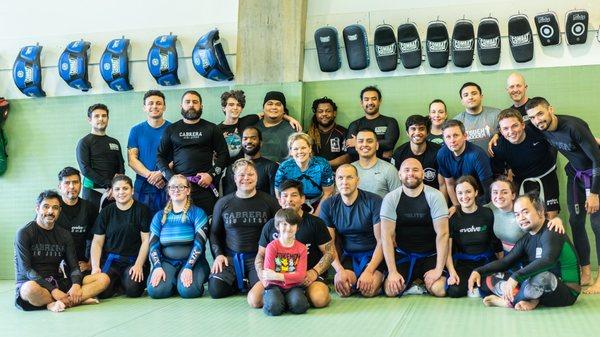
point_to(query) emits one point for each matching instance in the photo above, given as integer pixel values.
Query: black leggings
(577, 216)
(121, 282)
(464, 270)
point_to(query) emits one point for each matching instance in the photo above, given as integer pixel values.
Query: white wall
(340, 13)
(53, 24)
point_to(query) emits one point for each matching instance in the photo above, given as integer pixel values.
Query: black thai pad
(328, 49)
(520, 38)
(409, 46)
(463, 43)
(384, 44)
(576, 27)
(547, 28)
(436, 44)
(488, 42)
(356, 43)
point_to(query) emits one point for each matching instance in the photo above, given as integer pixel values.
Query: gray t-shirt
(506, 227)
(274, 140)
(380, 179)
(480, 128)
(435, 200)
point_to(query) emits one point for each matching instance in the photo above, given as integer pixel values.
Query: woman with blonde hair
(177, 240)
(313, 172)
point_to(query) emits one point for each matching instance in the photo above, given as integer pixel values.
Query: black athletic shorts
(64, 284)
(421, 267)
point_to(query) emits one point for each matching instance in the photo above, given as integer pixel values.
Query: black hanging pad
(409, 46)
(328, 49)
(576, 27)
(463, 43)
(547, 28)
(488, 42)
(386, 51)
(437, 44)
(357, 51)
(520, 38)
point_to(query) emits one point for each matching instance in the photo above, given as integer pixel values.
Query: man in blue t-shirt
(142, 147)
(353, 215)
(460, 158)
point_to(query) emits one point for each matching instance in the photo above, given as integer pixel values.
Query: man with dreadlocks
(329, 139)
(177, 240)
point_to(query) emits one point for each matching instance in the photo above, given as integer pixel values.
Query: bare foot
(586, 276)
(57, 306)
(495, 301)
(526, 305)
(92, 300)
(595, 289)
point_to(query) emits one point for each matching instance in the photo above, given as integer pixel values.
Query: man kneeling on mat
(285, 267)
(40, 246)
(550, 275)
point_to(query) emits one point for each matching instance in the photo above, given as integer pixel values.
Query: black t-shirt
(428, 160)
(99, 159)
(574, 139)
(312, 232)
(522, 110)
(79, 220)
(333, 143)
(533, 157)
(233, 135)
(414, 225)
(474, 233)
(385, 127)
(237, 222)
(192, 147)
(39, 252)
(122, 228)
(266, 170)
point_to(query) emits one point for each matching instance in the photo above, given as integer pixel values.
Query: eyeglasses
(178, 188)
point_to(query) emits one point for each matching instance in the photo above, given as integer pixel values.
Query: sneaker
(474, 294)
(416, 289)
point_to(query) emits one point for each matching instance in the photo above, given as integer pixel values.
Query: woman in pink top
(285, 268)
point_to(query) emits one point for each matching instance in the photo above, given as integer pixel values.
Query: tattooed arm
(328, 250)
(259, 261)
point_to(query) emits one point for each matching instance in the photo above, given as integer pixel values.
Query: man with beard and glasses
(99, 157)
(40, 247)
(142, 146)
(190, 144)
(414, 233)
(572, 137)
(418, 147)
(265, 168)
(329, 138)
(77, 215)
(386, 128)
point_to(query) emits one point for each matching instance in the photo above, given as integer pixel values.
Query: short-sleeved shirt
(386, 128)
(274, 140)
(314, 178)
(473, 161)
(473, 233)
(79, 220)
(122, 228)
(146, 139)
(333, 143)
(506, 227)
(436, 139)
(312, 232)
(428, 160)
(233, 134)
(265, 169)
(354, 223)
(481, 127)
(414, 217)
(380, 179)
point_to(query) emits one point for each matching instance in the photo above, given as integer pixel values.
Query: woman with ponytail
(177, 240)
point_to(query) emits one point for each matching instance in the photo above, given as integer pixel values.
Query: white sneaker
(474, 294)
(416, 289)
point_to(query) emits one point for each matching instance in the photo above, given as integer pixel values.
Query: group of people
(467, 207)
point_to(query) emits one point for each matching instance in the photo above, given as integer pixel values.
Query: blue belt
(177, 263)
(118, 258)
(485, 257)
(239, 266)
(360, 260)
(412, 258)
